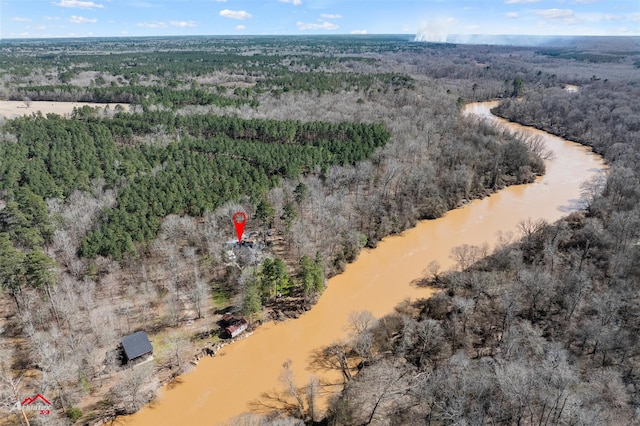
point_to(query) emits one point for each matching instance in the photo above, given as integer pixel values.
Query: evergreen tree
(252, 303)
(289, 214)
(38, 269)
(311, 275)
(12, 263)
(265, 213)
(274, 278)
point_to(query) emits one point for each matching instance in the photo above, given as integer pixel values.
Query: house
(236, 327)
(136, 345)
(233, 325)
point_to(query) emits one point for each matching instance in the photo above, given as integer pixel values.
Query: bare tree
(592, 188)
(434, 269)
(384, 387)
(286, 378)
(10, 389)
(466, 255)
(136, 389)
(361, 325)
(178, 351)
(312, 396)
(361, 322)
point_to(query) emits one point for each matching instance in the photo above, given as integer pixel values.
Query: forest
(57, 156)
(115, 220)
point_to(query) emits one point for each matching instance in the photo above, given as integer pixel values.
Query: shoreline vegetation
(159, 264)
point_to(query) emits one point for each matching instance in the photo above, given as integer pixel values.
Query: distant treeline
(174, 63)
(580, 56)
(176, 69)
(171, 96)
(142, 95)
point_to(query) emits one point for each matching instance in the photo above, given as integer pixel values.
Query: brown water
(222, 387)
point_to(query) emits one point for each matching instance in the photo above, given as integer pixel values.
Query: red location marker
(239, 220)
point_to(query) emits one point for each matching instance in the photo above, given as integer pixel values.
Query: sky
(431, 19)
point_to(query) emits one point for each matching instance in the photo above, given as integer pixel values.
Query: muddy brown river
(225, 386)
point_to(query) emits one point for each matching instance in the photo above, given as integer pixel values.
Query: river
(224, 386)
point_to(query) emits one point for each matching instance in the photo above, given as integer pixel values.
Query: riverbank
(380, 279)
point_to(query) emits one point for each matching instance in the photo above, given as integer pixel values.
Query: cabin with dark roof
(135, 346)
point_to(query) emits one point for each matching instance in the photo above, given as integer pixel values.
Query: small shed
(233, 325)
(136, 345)
(236, 326)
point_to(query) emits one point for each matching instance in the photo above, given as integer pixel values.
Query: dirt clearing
(13, 109)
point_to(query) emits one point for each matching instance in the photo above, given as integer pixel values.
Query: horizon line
(314, 35)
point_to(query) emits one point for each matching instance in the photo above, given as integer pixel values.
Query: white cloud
(79, 4)
(82, 20)
(20, 19)
(313, 26)
(330, 16)
(236, 14)
(521, 1)
(513, 15)
(240, 27)
(183, 24)
(565, 15)
(554, 13)
(159, 24)
(52, 18)
(293, 2)
(359, 32)
(41, 27)
(608, 17)
(585, 1)
(221, 1)
(143, 4)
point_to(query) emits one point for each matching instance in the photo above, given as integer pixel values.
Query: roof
(136, 344)
(236, 327)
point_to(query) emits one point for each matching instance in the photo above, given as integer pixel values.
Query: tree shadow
(337, 358)
(423, 282)
(274, 402)
(575, 204)
(177, 381)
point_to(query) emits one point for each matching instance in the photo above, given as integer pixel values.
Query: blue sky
(431, 18)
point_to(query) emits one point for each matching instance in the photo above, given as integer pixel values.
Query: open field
(13, 109)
